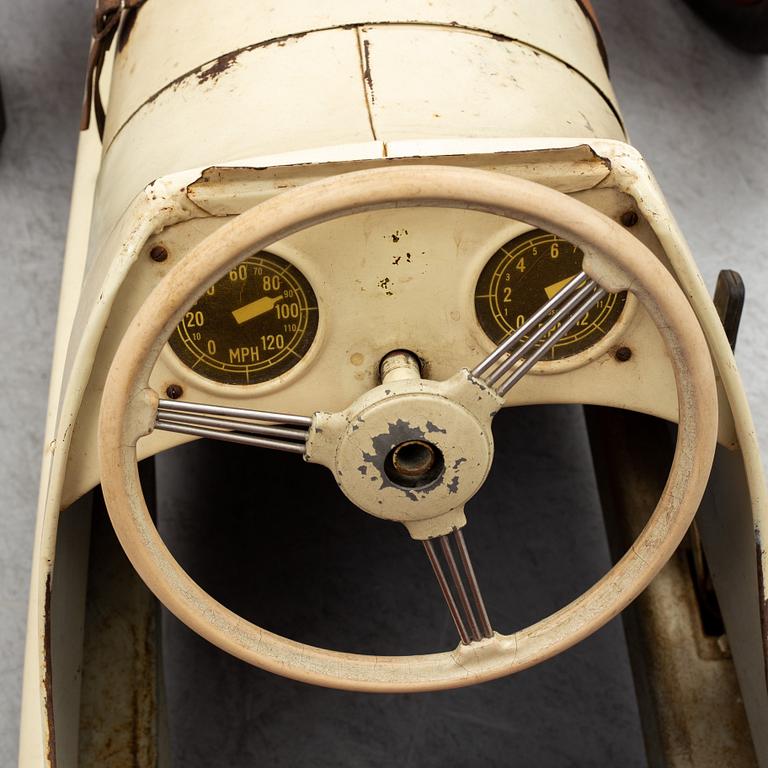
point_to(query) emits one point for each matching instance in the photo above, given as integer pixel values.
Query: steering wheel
(410, 450)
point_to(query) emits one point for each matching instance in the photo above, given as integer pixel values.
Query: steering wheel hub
(411, 451)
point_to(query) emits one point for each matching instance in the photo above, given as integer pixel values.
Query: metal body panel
(151, 60)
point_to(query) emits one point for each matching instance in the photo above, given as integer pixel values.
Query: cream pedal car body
(356, 232)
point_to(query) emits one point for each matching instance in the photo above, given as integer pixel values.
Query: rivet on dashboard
(158, 253)
(629, 218)
(623, 354)
(174, 391)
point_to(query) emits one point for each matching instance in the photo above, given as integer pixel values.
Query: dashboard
(260, 320)
(303, 325)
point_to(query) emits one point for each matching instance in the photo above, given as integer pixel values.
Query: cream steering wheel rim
(612, 256)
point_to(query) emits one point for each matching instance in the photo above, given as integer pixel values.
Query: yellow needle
(255, 308)
(555, 288)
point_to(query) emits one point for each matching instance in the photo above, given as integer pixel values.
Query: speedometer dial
(526, 273)
(254, 324)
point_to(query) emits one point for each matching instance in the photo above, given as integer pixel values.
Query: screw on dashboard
(629, 218)
(158, 253)
(174, 391)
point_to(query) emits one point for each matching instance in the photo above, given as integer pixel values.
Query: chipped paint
(367, 69)
(48, 674)
(213, 70)
(399, 432)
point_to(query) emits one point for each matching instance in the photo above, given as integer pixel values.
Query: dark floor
(275, 540)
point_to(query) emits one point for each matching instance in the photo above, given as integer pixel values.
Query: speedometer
(253, 325)
(522, 276)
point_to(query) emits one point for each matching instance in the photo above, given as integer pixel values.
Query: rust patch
(214, 69)
(604, 161)
(196, 72)
(48, 674)
(763, 604)
(367, 69)
(119, 689)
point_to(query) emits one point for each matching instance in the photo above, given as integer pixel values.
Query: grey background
(695, 107)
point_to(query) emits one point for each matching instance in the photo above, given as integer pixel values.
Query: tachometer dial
(254, 324)
(526, 273)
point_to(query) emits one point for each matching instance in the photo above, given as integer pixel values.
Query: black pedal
(729, 301)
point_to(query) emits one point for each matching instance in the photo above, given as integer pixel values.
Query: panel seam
(367, 81)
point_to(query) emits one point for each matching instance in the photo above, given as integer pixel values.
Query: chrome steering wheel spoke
(464, 599)
(515, 356)
(263, 429)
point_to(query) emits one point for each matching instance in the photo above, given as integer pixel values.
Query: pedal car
(358, 241)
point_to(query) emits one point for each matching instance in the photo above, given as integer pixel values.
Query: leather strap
(106, 19)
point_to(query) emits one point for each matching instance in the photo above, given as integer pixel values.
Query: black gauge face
(526, 273)
(254, 324)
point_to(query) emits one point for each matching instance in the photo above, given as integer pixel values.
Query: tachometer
(254, 324)
(527, 272)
